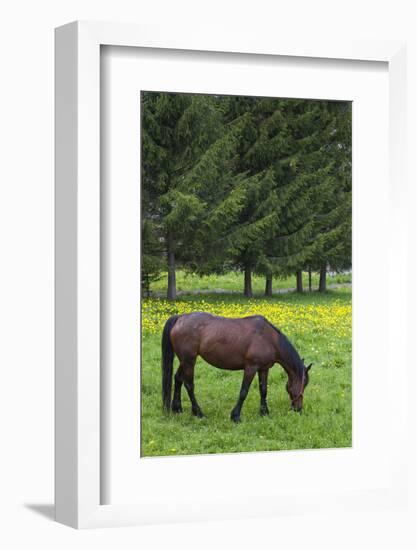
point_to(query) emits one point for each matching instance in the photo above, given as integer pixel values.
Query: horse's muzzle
(297, 407)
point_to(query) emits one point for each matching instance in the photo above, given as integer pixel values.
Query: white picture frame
(77, 500)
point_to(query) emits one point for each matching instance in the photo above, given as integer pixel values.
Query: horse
(251, 344)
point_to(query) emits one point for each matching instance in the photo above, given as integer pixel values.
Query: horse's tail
(167, 362)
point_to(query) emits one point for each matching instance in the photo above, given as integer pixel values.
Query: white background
(26, 275)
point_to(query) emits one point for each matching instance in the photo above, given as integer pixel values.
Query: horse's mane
(288, 351)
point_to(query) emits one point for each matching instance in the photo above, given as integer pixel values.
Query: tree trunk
(322, 282)
(147, 286)
(299, 276)
(247, 291)
(309, 280)
(268, 285)
(172, 282)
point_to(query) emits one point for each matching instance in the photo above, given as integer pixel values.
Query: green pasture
(326, 421)
(233, 282)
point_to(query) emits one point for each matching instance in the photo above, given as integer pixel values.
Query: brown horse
(251, 344)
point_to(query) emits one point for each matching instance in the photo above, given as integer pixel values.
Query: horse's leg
(188, 377)
(263, 388)
(176, 406)
(248, 375)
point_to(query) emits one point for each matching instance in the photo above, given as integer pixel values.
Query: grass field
(319, 325)
(233, 282)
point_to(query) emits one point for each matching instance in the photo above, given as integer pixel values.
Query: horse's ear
(309, 367)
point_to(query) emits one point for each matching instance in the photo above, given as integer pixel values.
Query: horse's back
(206, 325)
(224, 342)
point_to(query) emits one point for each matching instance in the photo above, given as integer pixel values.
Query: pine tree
(177, 131)
(262, 140)
(277, 223)
(333, 220)
(313, 194)
(257, 184)
(151, 257)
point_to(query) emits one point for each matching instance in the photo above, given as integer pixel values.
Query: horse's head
(296, 386)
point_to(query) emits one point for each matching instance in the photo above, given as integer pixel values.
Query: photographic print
(246, 274)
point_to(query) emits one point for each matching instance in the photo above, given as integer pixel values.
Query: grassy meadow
(318, 324)
(232, 282)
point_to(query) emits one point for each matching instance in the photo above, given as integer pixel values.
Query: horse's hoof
(176, 409)
(235, 418)
(264, 412)
(198, 414)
